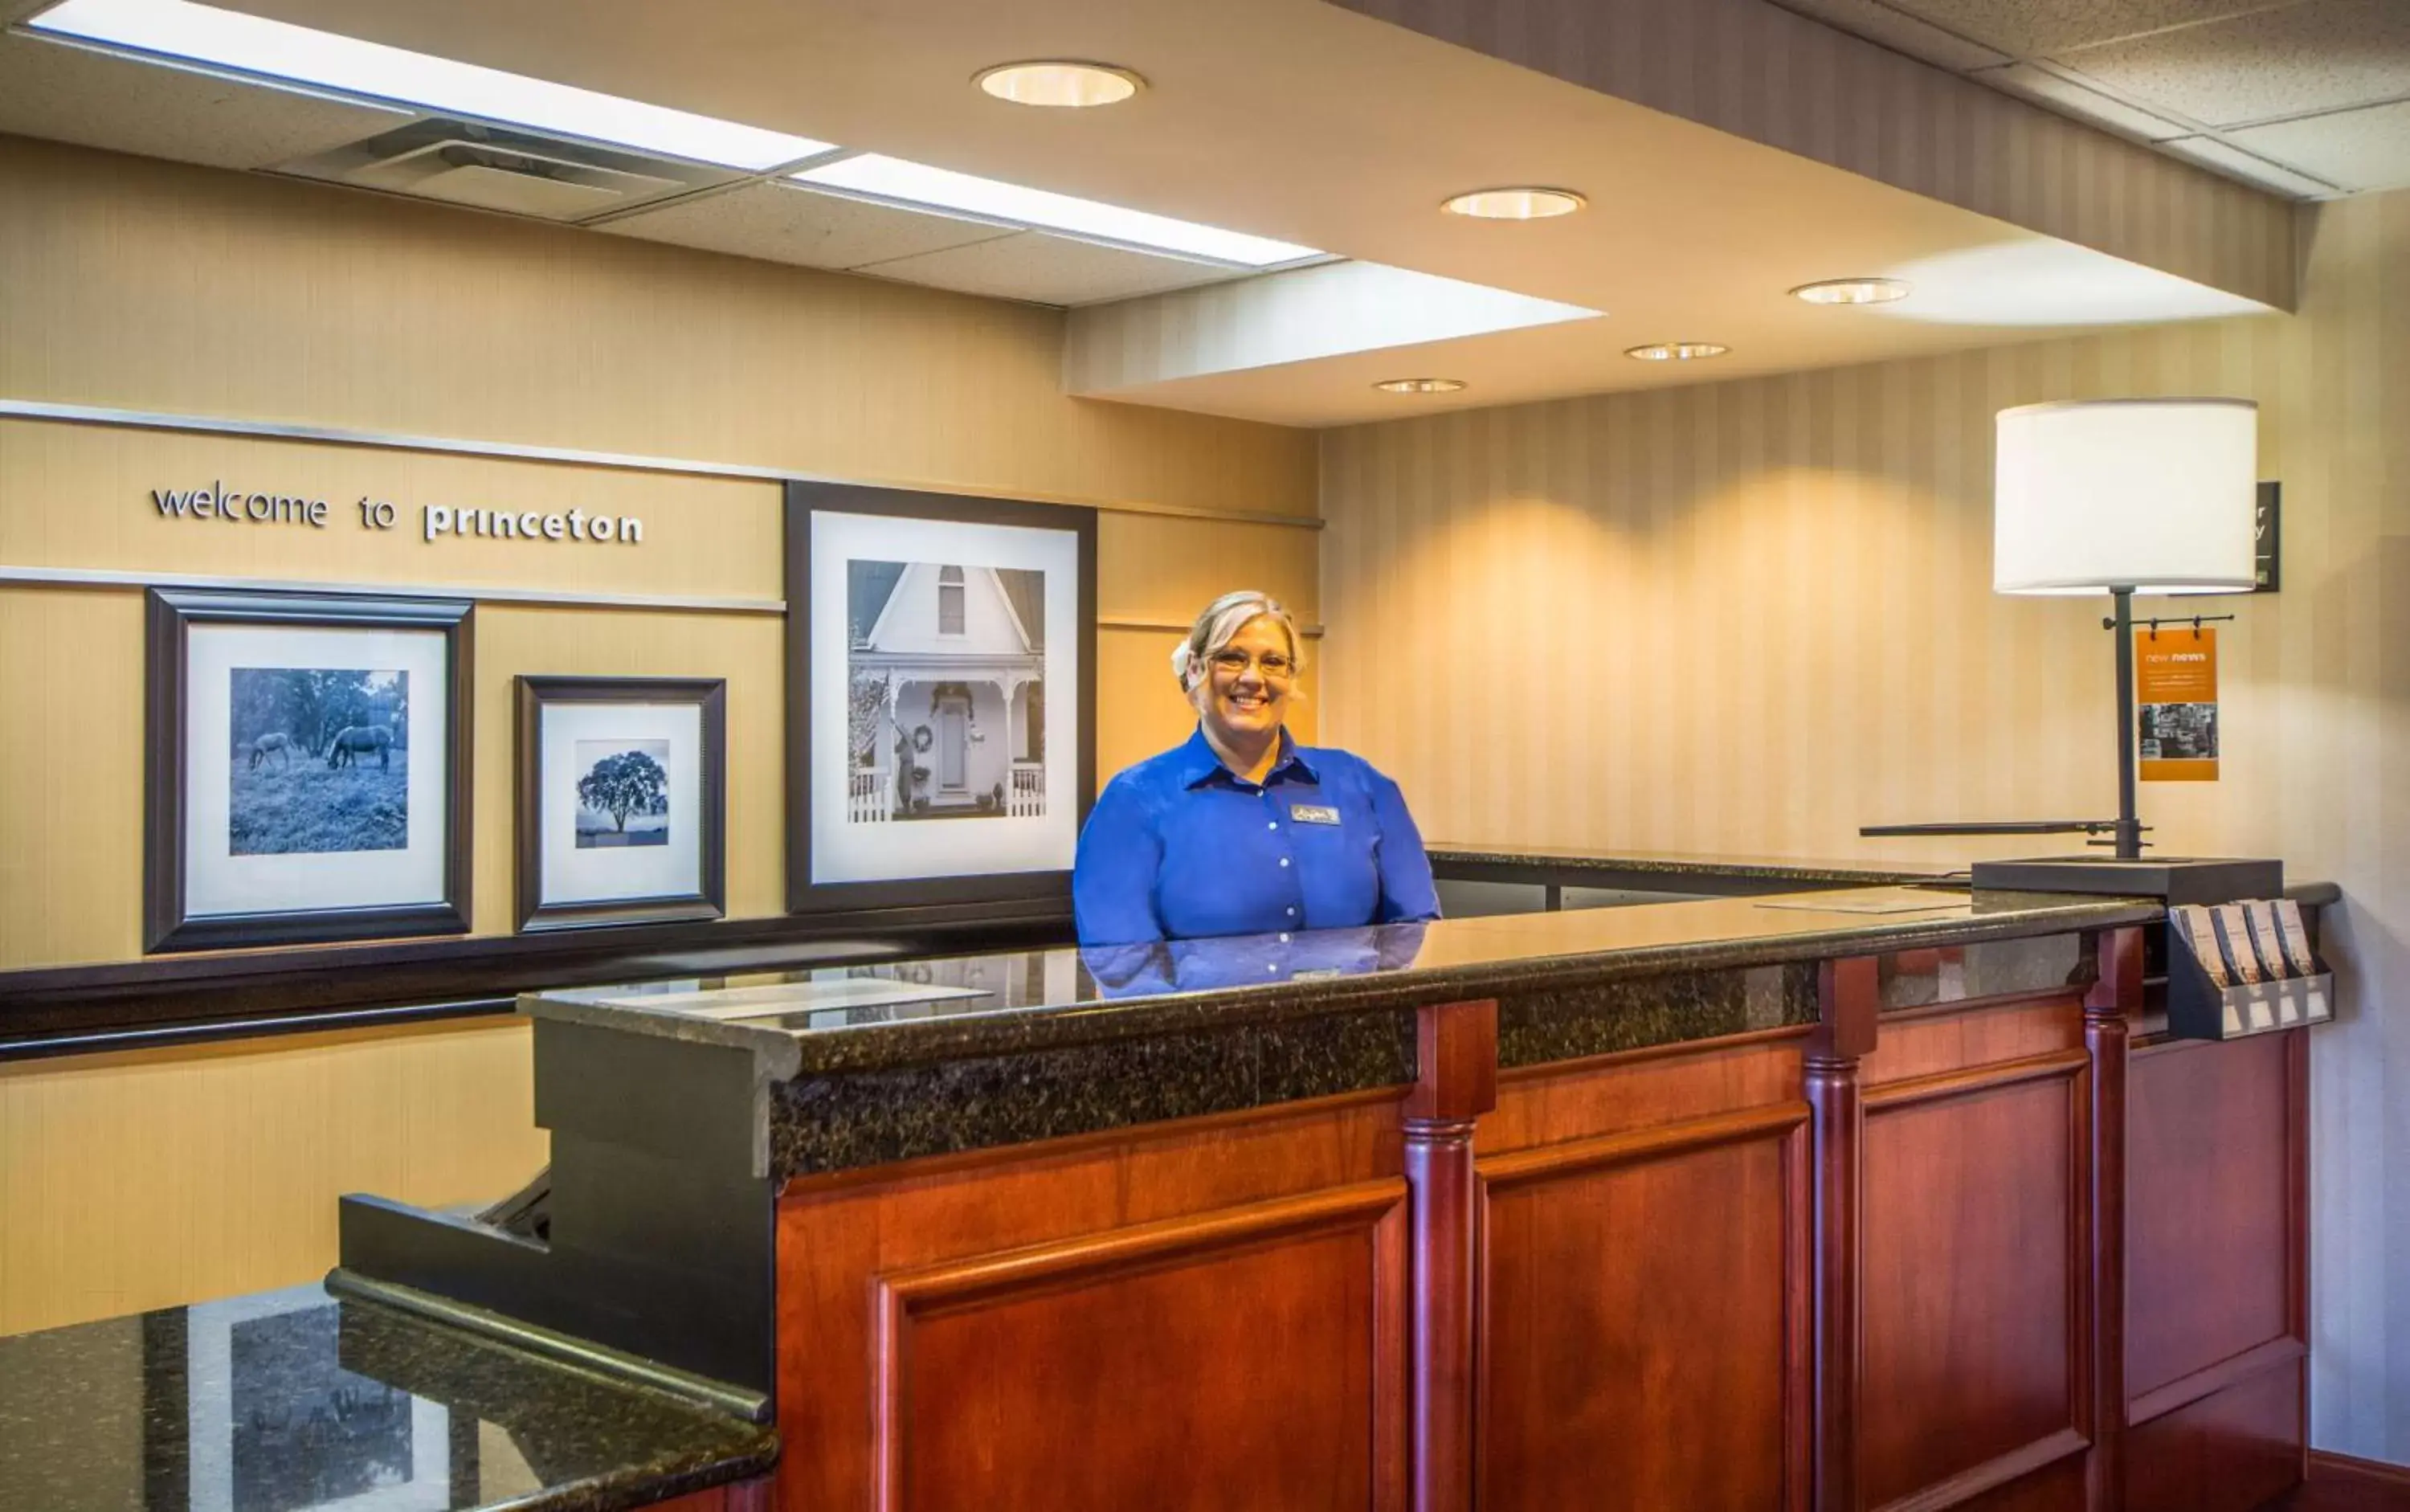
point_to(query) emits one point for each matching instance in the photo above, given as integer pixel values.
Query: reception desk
(1888, 1196)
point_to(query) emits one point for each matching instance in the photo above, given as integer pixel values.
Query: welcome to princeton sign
(219, 505)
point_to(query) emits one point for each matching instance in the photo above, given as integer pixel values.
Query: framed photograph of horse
(306, 768)
(623, 800)
(941, 694)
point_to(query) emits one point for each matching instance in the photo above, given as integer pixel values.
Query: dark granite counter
(847, 1020)
(295, 1399)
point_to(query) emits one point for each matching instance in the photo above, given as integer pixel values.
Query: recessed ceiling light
(1419, 386)
(1060, 84)
(1854, 291)
(917, 183)
(1676, 351)
(1515, 204)
(301, 54)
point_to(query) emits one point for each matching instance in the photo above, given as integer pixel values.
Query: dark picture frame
(709, 900)
(169, 768)
(1052, 888)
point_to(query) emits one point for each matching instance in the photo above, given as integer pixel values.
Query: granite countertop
(1674, 865)
(295, 1399)
(857, 1018)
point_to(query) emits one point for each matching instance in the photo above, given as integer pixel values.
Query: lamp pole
(2129, 828)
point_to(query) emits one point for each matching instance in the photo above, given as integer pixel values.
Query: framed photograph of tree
(622, 800)
(941, 730)
(306, 769)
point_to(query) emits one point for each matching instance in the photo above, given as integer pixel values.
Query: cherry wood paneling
(1928, 1043)
(1251, 1348)
(2213, 1161)
(1642, 1089)
(1641, 1331)
(2229, 1452)
(1976, 1369)
(936, 1317)
(749, 1496)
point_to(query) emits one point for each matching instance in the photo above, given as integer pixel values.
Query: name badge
(1313, 814)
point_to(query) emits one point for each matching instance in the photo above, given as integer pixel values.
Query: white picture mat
(903, 849)
(609, 874)
(216, 882)
(209, 1364)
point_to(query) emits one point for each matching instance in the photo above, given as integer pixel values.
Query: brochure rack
(2213, 998)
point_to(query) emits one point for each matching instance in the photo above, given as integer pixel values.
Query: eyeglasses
(1231, 662)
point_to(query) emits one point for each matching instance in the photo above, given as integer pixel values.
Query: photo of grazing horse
(302, 806)
(349, 745)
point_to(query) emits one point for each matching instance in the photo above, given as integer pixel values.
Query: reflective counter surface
(297, 1400)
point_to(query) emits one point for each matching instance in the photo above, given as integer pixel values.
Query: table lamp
(2121, 497)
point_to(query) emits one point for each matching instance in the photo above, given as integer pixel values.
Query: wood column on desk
(1847, 998)
(1457, 1081)
(2116, 993)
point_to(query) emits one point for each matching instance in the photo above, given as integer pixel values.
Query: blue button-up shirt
(1179, 847)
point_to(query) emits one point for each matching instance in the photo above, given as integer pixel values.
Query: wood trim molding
(2232, 1371)
(2330, 1468)
(1456, 1081)
(1546, 1161)
(2116, 993)
(1992, 1474)
(1974, 1079)
(1377, 1208)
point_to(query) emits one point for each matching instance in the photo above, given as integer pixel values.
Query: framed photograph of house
(622, 800)
(307, 768)
(942, 696)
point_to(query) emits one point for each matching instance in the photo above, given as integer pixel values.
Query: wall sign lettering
(217, 503)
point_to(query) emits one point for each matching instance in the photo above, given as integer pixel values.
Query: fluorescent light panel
(278, 50)
(917, 183)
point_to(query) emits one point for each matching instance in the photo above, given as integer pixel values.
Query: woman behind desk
(1239, 830)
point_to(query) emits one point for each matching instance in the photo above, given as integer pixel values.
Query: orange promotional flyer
(2175, 684)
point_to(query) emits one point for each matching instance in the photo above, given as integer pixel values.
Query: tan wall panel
(749, 650)
(1164, 569)
(71, 738)
(149, 285)
(80, 496)
(147, 1179)
(1750, 616)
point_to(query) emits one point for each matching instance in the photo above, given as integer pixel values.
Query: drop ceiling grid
(2208, 80)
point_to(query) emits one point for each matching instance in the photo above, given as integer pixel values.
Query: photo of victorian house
(947, 718)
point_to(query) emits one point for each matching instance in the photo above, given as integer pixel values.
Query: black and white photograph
(2179, 733)
(623, 813)
(623, 793)
(946, 669)
(306, 770)
(277, 1424)
(940, 677)
(321, 761)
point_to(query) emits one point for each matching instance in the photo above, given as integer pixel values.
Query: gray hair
(1219, 622)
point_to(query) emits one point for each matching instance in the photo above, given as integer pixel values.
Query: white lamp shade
(2157, 495)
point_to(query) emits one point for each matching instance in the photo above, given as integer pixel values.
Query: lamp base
(2172, 878)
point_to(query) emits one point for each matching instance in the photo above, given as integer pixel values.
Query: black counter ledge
(1679, 872)
(289, 1401)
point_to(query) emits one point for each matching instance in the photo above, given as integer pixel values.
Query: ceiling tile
(2031, 28)
(2357, 149)
(2028, 81)
(1899, 31)
(780, 224)
(2236, 162)
(94, 99)
(1049, 269)
(2320, 55)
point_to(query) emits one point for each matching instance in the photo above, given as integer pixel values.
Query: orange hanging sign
(2176, 685)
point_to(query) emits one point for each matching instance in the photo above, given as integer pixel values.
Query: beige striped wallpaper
(1749, 617)
(1758, 71)
(142, 1180)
